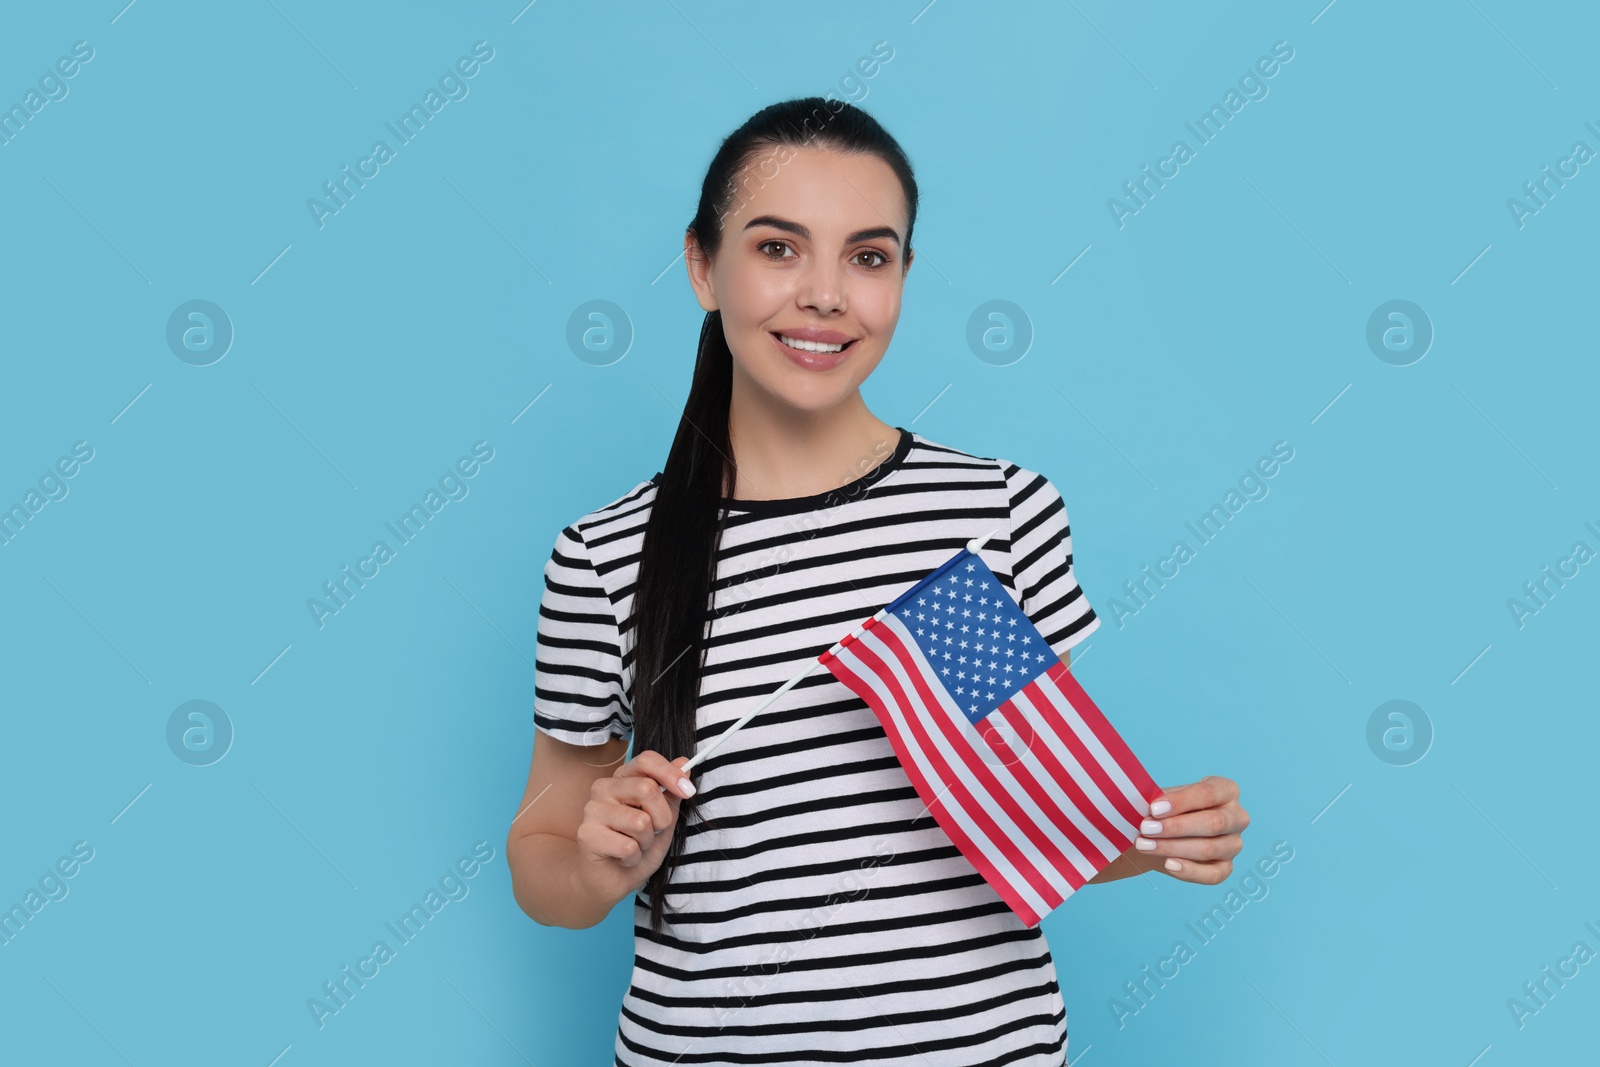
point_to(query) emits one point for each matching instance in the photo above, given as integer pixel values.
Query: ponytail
(672, 606)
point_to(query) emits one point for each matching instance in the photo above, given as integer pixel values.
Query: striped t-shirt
(828, 918)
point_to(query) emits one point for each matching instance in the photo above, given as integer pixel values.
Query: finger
(1198, 871)
(1191, 848)
(666, 773)
(1210, 822)
(635, 822)
(604, 843)
(1209, 792)
(642, 794)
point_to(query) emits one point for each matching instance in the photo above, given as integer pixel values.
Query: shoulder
(1022, 484)
(619, 513)
(607, 536)
(942, 462)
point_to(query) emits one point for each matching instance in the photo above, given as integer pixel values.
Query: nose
(822, 287)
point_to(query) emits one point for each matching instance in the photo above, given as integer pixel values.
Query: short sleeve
(1041, 561)
(580, 695)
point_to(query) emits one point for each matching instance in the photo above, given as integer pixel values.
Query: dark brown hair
(678, 562)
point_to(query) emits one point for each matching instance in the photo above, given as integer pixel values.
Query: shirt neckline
(848, 491)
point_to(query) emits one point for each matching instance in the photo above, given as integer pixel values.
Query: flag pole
(972, 546)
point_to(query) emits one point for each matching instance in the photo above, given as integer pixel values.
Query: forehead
(831, 193)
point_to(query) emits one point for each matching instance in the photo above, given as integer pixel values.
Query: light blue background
(370, 354)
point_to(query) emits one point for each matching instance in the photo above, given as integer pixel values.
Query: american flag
(1016, 763)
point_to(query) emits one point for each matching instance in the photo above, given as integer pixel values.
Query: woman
(796, 904)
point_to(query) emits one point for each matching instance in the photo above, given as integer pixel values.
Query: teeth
(809, 346)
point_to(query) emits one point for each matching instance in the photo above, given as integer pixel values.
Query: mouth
(813, 355)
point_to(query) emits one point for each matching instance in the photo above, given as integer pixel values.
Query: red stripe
(1058, 725)
(1080, 748)
(1046, 802)
(1075, 794)
(974, 763)
(841, 669)
(1113, 742)
(1080, 755)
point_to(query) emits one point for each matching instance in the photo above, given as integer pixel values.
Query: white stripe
(1017, 713)
(963, 817)
(1074, 766)
(1008, 778)
(970, 737)
(1109, 762)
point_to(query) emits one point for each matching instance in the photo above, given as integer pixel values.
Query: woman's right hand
(628, 824)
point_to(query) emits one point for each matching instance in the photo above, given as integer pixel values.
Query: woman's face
(811, 251)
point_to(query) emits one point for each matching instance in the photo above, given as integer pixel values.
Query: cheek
(877, 309)
(751, 297)
(861, 369)
(884, 309)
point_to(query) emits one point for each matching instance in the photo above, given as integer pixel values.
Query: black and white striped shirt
(828, 919)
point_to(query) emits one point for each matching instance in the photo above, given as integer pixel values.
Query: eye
(765, 244)
(873, 252)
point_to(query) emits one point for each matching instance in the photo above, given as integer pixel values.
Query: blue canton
(981, 646)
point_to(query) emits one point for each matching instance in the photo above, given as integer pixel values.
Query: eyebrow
(804, 233)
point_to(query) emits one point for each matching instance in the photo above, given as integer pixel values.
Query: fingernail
(1174, 865)
(686, 787)
(1144, 844)
(1149, 826)
(1161, 807)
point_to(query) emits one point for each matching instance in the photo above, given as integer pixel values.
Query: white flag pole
(972, 546)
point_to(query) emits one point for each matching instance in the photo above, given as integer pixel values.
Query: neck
(783, 452)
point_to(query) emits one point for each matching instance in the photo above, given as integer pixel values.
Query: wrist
(590, 904)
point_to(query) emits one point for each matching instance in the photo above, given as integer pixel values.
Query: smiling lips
(814, 349)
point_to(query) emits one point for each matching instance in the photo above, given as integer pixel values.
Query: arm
(542, 846)
(589, 832)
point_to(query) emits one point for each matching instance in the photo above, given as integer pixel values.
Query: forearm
(544, 879)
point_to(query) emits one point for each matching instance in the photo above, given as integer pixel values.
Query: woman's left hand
(1195, 838)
